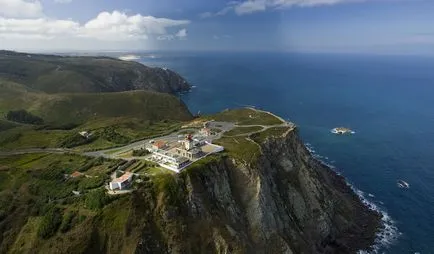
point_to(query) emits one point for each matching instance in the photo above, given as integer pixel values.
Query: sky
(347, 26)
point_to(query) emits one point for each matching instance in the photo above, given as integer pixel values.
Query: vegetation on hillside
(241, 148)
(260, 137)
(140, 152)
(243, 130)
(113, 118)
(62, 109)
(60, 74)
(22, 116)
(39, 186)
(246, 116)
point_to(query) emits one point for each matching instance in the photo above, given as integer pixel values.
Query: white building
(171, 161)
(121, 182)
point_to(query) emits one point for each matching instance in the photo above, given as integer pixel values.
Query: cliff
(283, 202)
(273, 197)
(65, 74)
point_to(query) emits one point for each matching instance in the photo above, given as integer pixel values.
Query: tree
(22, 116)
(96, 199)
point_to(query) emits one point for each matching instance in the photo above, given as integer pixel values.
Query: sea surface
(387, 100)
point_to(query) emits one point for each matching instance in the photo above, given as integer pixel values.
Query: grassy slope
(54, 74)
(134, 115)
(246, 116)
(28, 184)
(260, 137)
(242, 130)
(80, 108)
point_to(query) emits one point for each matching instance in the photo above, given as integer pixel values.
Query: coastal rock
(284, 202)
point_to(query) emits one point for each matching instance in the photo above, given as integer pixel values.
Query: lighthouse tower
(188, 142)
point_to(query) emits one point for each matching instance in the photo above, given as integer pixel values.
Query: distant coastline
(129, 58)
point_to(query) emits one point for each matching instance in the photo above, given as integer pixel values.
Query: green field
(246, 116)
(240, 148)
(243, 130)
(260, 137)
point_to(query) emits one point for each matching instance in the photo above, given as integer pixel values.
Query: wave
(389, 233)
(129, 57)
(323, 159)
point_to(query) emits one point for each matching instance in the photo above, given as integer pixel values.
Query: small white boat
(403, 184)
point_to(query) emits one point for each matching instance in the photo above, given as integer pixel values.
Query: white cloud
(205, 15)
(252, 6)
(230, 6)
(119, 26)
(166, 37)
(62, 1)
(37, 28)
(115, 26)
(20, 8)
(181, 34)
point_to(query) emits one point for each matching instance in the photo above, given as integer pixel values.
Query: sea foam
(389, 232)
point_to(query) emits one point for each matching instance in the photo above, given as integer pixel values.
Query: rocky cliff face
(159, 79)
(284, 202)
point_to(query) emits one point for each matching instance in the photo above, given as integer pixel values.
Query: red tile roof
(76, 174)
(123, 177)
(159, 143)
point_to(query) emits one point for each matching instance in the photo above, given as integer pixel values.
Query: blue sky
(356, 26)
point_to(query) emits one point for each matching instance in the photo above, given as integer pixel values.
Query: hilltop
(84, 74)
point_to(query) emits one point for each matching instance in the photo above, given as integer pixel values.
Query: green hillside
(115, 118)
(60, 109)
(61, 74)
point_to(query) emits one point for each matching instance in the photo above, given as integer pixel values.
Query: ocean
(387, 100)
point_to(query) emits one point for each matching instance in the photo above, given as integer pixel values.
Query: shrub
(22, 116)
(69, 219)
(140, 152)
(77, 140)
(50, 223)
(90, 183)
(110, 134)
(96, 199)
(93, 163)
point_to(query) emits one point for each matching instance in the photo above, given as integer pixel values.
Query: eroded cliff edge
(284, 201)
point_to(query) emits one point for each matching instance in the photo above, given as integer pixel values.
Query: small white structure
(76, 193)
(205, 132)
(85, 134)
(121, 182)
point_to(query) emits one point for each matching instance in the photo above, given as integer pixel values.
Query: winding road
(173, 137)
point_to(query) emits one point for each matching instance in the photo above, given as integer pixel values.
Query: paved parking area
(208, 148)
